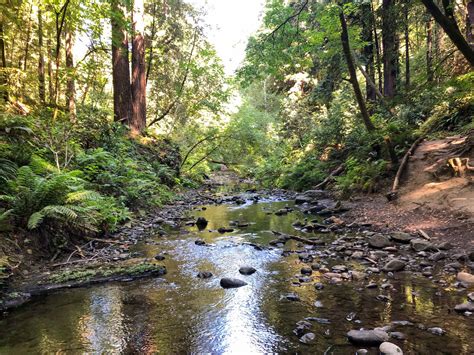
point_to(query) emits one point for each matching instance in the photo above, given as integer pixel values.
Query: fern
(56, 212)
(82, 196)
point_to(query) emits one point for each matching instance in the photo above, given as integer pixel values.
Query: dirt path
(430, 198)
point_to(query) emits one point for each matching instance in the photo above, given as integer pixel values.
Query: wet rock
(199, 242)
(371, 284)
(465, 277)
(455, 265)
(232, 283)
(379, 241)
(318, 304)
(318, 286)
(315, 266)
(318, 320)
(357, 255)
(292, 297)
(247, 270)
(223, 230)
(316, 194)
(420, 245)
(300, 199)
(402, 323)
(306, 271)
(201, 223)
(160, 257)
(436, 331)
(281, 212)
(362, 352)
(398, 335)
(308, 338)
(470, 296)
(301, 328)
(204, 275)
(387, 348)
(367, 337)
(401, 237)
(438, 256)
(383, 298)
(394, 265)
(464, 307)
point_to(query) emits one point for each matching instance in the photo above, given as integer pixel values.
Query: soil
(431, 198)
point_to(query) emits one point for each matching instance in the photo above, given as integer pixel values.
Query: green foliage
(361, 176)
(60, 198)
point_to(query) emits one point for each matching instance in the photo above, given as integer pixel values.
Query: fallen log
(393, 194)
(336, 172)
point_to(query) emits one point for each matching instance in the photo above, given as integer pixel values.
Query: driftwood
(331, 176)
(393, 194)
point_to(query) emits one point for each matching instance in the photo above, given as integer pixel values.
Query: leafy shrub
(361, 176)
(33, 201)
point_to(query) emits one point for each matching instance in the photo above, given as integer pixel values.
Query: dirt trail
(430, 197)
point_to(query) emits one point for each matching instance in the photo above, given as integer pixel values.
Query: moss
(86, 274)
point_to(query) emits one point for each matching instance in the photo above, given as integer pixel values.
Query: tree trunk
(352, 73)
(60, 17)
(120, 66)
(70, 86)
(377, 48)
(429, 50)
(407, 46)
(50, 71)
(470, 22)
(390, 48)
(368, 50)
(3, 74)
(41, 76)
(28, 39)
(451, 28)
(138, 123)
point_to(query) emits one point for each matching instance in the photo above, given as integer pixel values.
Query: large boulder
(232, 283)
(379, 241)
(368, 337)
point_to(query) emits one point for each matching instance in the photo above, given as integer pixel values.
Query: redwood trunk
(120, 66)
(390, 48)
(138, 123)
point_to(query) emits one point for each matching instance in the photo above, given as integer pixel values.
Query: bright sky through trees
(231, 24)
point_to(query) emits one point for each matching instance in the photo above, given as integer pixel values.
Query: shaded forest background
(108, 107)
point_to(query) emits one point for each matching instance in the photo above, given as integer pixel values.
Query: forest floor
(430, 198)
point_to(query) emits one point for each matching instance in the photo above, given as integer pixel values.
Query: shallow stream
(180, 313)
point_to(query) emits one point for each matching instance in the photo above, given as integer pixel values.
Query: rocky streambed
(259, 273)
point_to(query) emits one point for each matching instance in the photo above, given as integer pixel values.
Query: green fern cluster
(33, 200)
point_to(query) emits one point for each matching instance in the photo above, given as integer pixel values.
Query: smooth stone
(445, 246)
(379, 241)
(318, 320)
(358, 275)
(465, 277)
(223, 230)
(306, 271)
(315, 266)
(470, 296)
(232, 283)
(160, 257)
(436, 331)
(401, 237)
(394, 265)
(367, 337)
(357, 255)
(201, 223)
(464, 307)
(318, 304)
(200, 242)
(339, 268)
(318, 286)
(247, 270)
(362, 352)
(387, 348)
(398, 335)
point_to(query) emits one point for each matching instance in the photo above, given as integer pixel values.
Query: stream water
(180, 313)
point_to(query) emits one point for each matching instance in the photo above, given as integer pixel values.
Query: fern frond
(7, 198)
(82, 196)
(53, 211)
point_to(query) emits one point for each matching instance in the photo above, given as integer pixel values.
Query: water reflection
(182, 314)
